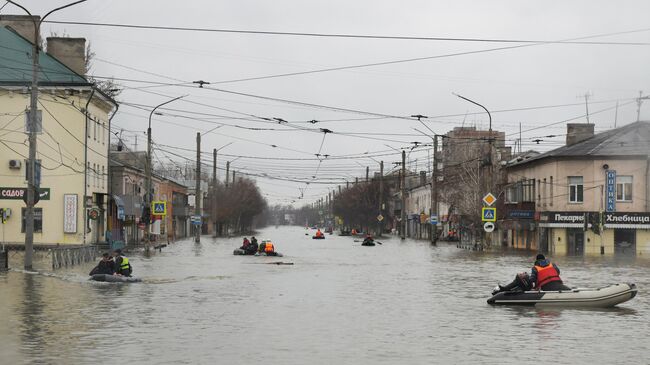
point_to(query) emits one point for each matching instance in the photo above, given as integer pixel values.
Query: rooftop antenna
(587, 95)
(639, 101)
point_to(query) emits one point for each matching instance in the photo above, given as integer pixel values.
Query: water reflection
(400, 302)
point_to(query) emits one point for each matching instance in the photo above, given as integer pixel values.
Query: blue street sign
(489, 214)
(610, 190)
(434, 219)
(196, 220)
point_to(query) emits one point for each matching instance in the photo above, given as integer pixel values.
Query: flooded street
(403, 302)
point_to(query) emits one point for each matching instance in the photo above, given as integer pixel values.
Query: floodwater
(340, 303)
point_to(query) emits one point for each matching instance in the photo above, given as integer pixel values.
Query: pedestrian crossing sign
(489, 214)
(159, 208)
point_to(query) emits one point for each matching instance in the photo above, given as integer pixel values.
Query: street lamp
(149, 193)
(489, 180)
(31, 183)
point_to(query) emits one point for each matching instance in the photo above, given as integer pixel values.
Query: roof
(16, 63)
(627, 141)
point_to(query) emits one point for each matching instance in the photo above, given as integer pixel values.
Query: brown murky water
(340, 303)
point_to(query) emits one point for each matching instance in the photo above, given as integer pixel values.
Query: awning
(118, 201)
(626, 226)
(562, 225)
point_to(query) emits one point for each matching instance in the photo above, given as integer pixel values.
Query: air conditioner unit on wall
(14, 164)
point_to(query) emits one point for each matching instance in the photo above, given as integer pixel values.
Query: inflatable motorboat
(605, 297)
(115, 278)
(239, 251)
(318, 237)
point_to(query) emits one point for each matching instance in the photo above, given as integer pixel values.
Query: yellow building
(72, 148)
(589, 197)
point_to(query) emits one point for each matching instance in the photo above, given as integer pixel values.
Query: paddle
(372, 241)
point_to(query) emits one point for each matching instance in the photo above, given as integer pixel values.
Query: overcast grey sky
(533, 76)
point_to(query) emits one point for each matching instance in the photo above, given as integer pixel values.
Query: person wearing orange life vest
(319, 233)
(546, 275)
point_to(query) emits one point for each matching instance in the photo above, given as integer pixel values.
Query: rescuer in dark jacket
(105, 266)
(546, 275)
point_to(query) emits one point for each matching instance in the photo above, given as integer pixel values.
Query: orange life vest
(546, 275)
(269, 247)
(319, 234)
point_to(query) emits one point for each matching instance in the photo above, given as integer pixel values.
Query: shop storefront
(629, 232)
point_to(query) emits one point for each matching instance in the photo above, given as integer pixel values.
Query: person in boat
(319, 233)
(253, 247)
(368, 240)
(245, 244)
(520, 283)
(267, 248)
(354, 231)
(546, 275)
(122, 265)
(105, 266)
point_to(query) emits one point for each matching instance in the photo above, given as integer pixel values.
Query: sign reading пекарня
(18, 193)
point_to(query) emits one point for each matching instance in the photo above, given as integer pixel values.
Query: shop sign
(94, 213)
(564, 217)
(610, 190)
(19, 193)
(627, 218)
(70, 202)
(521, 214)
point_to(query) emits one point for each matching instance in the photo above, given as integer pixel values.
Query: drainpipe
(647, 183)
(109, 189)
(85, 222)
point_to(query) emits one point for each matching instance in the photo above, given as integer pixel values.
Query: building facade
(589, 197)
(72, 144)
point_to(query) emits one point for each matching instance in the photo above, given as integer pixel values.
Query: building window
(576, 188)
(544, 192)
(539, 192)
(104, 133)
(551, 187)
(102, 177)
(38, 220)
(623, 188)
(95, 129)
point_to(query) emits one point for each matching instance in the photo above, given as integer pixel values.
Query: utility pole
(233, 178)
(434, 191)
(32, 122)
(380, 224)
(197, 200)
(367, 172)
(403, 215)
(227, 172)
(214, 192)
(639, 102)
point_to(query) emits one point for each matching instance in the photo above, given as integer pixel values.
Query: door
(543, 240)
(625, 242)
(576, 242)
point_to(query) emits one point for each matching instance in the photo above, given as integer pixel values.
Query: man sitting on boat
(546, 275)
(105, 266)
(319, 233)
(267, 248)
(122, 264)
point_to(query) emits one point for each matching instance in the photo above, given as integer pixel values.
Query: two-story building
(72, 144)
(590, 196)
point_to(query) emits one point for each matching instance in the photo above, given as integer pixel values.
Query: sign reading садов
(19, 193)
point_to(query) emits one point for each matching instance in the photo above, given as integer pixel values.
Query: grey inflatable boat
(605, 297)
(115, 278)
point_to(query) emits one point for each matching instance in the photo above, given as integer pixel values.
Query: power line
(358, 36)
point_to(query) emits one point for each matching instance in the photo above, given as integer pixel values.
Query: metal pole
(148, 196)
(214, 192)
(380, 224)
(227, 172)
(403, 215)
(32, 123)
(367, 172)
(434, 190)
(197, 200)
